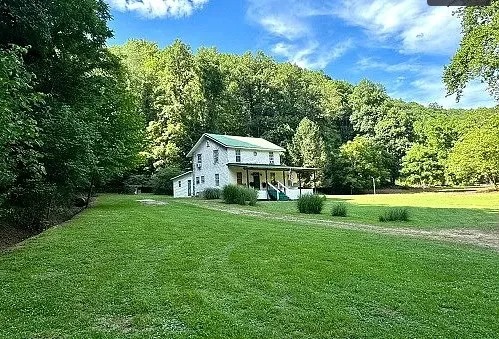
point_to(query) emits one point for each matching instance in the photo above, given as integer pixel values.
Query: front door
(189, 188)
(256, 180)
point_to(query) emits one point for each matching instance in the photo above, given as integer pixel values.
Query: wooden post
(299, 182)
(267, 184)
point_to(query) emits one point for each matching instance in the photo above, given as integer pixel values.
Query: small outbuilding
(182, 185)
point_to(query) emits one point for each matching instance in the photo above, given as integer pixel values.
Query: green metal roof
(231, 142)
(244, 142)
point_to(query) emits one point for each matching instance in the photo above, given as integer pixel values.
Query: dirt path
(464, 236)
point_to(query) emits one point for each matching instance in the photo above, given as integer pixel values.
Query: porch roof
(272, 167)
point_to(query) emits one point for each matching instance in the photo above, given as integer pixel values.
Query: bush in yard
(233, 194)
(395, 214)
(339, 210)
(211, 193)
(311, 203)
(250, 195)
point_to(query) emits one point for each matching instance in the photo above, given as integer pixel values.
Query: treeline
(68, 121)
(353, 133)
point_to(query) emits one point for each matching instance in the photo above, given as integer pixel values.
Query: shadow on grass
(419, 217)
(427, 217)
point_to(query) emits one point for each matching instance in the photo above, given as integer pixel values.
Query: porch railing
(281, 187)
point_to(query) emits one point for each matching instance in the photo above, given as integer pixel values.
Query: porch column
(299, 182)
(247, 178)
(284, 178)
(267, 184)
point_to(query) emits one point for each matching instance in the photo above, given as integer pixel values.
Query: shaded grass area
(122, 269)
(426, 210)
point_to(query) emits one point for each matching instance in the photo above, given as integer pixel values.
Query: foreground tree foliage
(71, 121)
(477, 56)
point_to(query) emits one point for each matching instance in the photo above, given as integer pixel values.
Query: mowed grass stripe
(426, 210)
(122, 269)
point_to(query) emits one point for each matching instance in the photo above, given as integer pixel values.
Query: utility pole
(374, 186)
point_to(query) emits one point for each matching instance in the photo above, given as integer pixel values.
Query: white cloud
(281, 19)
(373, 63)
(289, 25)
(313, 55)
(284, 26)
(422, 34)
(428, 87)
(159, 8)
(415, 26)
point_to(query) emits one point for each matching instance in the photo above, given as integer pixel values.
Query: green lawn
(427, 210)
(122, 269)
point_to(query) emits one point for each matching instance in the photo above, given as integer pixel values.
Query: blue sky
(401, 44)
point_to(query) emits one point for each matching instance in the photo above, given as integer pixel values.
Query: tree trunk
(89, 193)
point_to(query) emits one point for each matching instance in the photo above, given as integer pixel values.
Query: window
(238, 155)
(180, 183)
(239, 176)
(207, 143)
(202, 179)
(215, 156)
(271, 157)
(217, 179)
(200, 160)
(197, 180)
(255, 153)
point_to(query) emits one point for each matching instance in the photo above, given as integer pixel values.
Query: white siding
(208, 167)
(182, 191)
(248, 156)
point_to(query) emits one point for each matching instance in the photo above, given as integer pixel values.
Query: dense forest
(352, 132)
(78, 116)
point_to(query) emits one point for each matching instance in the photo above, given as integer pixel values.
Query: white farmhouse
(219, 160)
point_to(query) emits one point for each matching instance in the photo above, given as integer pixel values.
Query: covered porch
(274, 182)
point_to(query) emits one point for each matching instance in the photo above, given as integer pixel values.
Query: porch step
(273, 195)
(283, 197)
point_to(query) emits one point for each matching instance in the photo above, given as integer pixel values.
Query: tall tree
(140, 59)
(475, 157)
(180, 107)
(308, 148)
(85, 129)
(422, 166)
(395, 131)
(364, 161)
(19, 133)
(368, 106)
